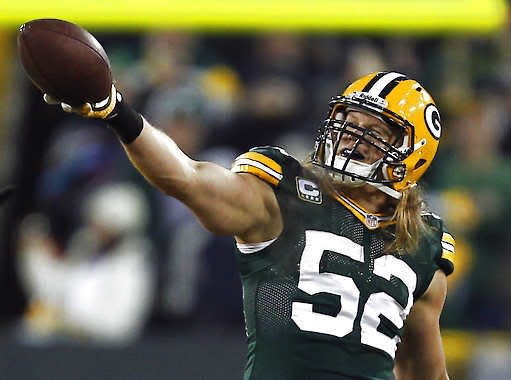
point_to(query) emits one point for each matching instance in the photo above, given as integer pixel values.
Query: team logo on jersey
(308, 191)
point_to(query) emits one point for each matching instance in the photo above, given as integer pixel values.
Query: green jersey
(323, 301)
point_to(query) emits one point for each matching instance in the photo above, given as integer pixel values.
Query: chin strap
(387, 190)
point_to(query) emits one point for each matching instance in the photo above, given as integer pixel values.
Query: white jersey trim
(249, 248)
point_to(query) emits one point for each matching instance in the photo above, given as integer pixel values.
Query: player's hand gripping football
(81, 83)
(100, 110)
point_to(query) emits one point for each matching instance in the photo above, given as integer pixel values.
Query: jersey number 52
(312, 281)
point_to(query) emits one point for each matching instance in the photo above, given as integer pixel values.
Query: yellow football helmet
(401, 103)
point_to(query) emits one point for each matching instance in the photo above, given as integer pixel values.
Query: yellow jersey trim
(371, 221)
(259, 165)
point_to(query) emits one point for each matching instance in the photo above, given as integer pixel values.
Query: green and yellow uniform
(323, 301)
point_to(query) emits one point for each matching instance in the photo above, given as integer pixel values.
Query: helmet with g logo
(401, 103)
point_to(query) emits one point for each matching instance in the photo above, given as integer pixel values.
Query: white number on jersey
(312, 282)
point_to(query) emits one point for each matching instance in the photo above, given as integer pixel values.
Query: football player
(343, 269)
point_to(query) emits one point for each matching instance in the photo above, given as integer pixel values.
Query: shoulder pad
(445, 257)
(269, 163)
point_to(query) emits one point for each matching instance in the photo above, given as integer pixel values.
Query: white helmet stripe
(378, 87)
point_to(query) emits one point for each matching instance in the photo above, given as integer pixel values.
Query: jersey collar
(371, 221)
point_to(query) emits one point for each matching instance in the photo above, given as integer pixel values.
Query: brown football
(64, 60)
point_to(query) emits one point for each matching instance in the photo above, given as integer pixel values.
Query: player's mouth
(352, 154)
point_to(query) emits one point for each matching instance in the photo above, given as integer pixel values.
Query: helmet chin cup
(353, 171)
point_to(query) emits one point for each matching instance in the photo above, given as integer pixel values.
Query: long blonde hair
(410, 227)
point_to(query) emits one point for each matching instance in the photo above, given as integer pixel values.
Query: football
(65, 61)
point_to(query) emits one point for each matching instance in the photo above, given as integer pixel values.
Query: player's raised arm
(224, 202)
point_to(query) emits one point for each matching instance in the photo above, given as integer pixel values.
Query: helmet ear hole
(419, 163)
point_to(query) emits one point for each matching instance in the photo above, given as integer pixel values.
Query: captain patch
(308, 191)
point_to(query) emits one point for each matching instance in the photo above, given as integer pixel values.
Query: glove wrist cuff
(125, 122)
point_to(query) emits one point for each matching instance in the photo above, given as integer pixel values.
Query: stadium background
(230, 76)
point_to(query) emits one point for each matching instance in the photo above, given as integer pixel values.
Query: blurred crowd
(102, 256)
